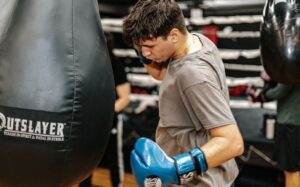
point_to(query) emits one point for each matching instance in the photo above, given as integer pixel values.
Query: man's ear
(174, 35)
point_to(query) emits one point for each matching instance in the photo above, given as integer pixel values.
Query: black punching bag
(280, 40)
(56, 92)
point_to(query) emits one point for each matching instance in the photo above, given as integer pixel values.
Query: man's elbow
(238, 146)
(237, 143)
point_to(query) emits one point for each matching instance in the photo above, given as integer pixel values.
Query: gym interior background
(233, 26)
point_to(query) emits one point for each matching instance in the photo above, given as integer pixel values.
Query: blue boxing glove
(153, 168)
(141, 58)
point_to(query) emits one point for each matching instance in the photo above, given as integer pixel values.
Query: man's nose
(146, 53)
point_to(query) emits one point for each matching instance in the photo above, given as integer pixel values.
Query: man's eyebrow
(146, 45)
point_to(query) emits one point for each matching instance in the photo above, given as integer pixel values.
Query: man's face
(157, 49)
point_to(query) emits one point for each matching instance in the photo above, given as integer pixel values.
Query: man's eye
(148, 46)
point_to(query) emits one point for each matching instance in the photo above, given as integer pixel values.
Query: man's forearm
(222, 148)
(278, 92)
(156, 70)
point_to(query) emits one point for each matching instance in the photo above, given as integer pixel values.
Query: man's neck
(184, 46)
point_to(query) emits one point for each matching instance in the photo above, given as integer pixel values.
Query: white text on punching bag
(34, 129)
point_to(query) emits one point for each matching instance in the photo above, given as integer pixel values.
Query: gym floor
(101, 178)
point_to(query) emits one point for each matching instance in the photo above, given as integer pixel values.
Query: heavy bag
(56, 92)
(280, 40)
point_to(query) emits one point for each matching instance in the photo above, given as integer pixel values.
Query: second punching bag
(56, 92)
(280, 40)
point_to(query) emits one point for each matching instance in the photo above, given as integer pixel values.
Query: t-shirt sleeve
(279, 91)
(119, 73)
(209, 105)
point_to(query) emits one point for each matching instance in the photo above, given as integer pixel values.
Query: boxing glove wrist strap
(190, 164)
(185, 167)
(201, 164)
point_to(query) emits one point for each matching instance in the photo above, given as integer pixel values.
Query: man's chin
(164, 61)
(158, 61)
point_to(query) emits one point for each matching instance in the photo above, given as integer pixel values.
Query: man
(287, 140)
(195, 115)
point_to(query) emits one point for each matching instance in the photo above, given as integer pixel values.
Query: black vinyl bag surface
(56, 92)
(280, 40)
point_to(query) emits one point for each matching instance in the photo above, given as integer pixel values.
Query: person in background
(113, 156)
(287, 137)
(196, 128)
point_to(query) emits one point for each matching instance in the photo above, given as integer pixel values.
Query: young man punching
(197, 136)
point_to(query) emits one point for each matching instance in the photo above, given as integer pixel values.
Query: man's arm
(156, 70)
(226, 143)
(213, 111)
(278, 91)
(151, 165)
(123, 92)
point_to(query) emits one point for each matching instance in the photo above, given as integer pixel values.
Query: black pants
(87, 182)
(113, 156)
(112, 160)
(287, 147)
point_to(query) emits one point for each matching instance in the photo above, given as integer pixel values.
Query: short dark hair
(152, 18)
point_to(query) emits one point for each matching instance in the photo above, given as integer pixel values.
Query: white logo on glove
(152, 181)
(185, 178)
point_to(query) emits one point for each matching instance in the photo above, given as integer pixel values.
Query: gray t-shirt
(194, 98)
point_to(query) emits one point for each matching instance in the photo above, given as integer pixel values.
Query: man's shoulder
(192, 74)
